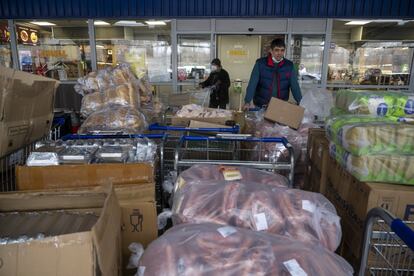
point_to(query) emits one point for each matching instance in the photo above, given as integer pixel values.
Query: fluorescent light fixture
(100, 23)
(100, 47)
(43, 23)
(357, 22)
(155, 23)
(129, 23)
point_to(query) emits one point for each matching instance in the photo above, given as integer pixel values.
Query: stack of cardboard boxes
(352, 198)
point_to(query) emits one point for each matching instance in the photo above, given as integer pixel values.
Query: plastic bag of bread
(361, 135)
(119, 119)
(92, 102)
(123, 94)
(386, 168)
(201, 173)
(211, 249)
(304, 216)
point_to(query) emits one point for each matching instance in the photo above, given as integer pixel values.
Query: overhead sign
(26, 35)
(4, 34)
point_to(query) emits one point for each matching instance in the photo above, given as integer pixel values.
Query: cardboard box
(26, 108)
(285, 113)
(179, 121)
(72, 176)
(139, 215)
(93, 252)
(201, 124)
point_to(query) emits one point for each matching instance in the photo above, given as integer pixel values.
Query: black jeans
(214, 104)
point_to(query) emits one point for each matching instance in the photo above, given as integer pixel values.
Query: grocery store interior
(165, 137)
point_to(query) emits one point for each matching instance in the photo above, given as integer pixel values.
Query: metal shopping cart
(18, 157)
(159, 139)
(174, 133)
(388, 245)
(231, 149)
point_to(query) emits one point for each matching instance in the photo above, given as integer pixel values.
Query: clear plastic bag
(146, 150)
(111, 154)
(163, 217)
(397, 169)
(211, 249)
(91, 103)
(118, 119)
(197, 111)
(216, 173)
(361, 135)
(42, 159)
(317, 102)
(376, 103)
(137, 250)
(77, 155)
(305, 216)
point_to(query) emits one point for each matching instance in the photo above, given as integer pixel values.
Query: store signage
(53, 53)
(27, 35)
(4, 33)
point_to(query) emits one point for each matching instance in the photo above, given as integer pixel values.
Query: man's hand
(246, 107)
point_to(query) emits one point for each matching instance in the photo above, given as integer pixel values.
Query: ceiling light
(357, 22)
(100, 23)
(100, 46)
(128, 23)
(155, 23)
(43, 23)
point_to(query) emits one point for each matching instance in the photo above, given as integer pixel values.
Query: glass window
(5, 52)
(193, 59)
(56, 49)
(307, 56)
(145, 45)
(375, 53)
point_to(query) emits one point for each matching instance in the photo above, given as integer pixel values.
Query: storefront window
(145, 45)
(5, 52)
(56, 49)
(193, 58)
(307, 55)
(375, 53)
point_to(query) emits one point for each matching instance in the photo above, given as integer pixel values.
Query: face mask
(213, 68)
(276, 61)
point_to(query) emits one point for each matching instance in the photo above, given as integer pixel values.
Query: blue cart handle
(404, 232)
(282, 140)
(159, 127)
(111, 136)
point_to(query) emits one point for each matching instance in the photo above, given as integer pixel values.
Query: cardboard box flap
(50, 201)
(105, 233)
(37, 257)
(57, 177)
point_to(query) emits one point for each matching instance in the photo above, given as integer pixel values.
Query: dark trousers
(214, 104)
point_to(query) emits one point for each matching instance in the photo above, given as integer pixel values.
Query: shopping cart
(388, 245)
(230, 149)
(159, 139)
(174, 133)
(55, 132)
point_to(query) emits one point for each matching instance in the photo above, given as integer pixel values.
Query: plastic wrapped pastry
(116, 119)
(211, 249)
(397, 169)
(42, 159)
(91, 103)
(362, 135)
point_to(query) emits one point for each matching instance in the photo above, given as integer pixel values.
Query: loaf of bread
(362, 135)
(397, 169)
